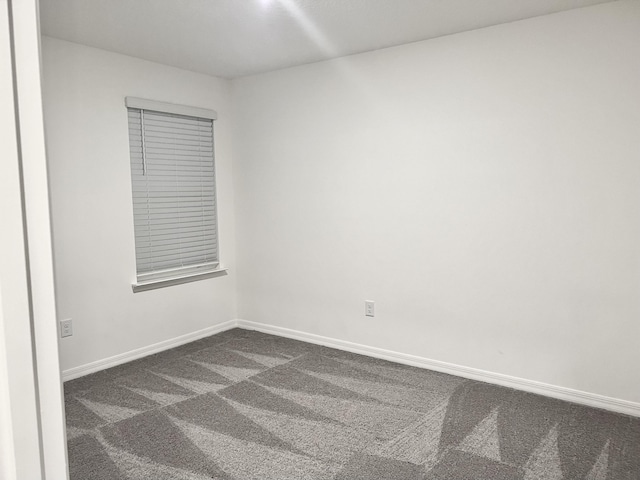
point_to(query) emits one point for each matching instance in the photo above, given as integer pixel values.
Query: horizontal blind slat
(154, 223)
(171, 212)
(197, 143)
(157, 266)
(170, 236)
(154, 114)
(183, 122)
(148, 245)
(154, 132)
(163, 183)
(180, 170)
(167, 175)
(191, 250)
(179, 201)
(177, 256)
(204, 241)
(179, 230)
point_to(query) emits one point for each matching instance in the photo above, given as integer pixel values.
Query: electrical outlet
(369, 308)
(66, 328)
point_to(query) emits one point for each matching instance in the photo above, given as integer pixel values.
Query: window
(174, 195)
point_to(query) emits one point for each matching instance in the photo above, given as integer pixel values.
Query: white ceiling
(231, 38)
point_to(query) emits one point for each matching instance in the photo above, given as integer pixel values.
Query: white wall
(88, 152)
(482, 188)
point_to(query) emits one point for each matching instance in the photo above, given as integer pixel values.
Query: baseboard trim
(103, 364)
(553, 391)
(562, 393)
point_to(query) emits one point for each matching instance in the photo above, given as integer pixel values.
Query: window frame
(181, 274)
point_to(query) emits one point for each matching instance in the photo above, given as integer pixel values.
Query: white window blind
(174, 196)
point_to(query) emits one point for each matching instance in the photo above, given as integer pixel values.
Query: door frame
(32, 437)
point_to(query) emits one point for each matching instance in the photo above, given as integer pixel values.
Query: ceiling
(232, 38)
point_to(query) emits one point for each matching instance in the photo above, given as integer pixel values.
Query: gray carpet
(244, 405)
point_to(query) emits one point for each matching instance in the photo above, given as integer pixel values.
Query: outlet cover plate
(369, 308)
(66, 328)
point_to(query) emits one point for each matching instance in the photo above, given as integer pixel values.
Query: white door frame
(32, 432)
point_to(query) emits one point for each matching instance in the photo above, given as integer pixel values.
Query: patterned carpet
(245, 405)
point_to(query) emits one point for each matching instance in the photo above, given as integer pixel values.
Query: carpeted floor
(244, 405)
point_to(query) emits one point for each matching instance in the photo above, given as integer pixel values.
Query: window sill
(167, 282)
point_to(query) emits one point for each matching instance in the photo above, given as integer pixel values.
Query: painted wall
(88, 151)
(483, 189)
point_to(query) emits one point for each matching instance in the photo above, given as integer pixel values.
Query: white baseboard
(562, 393)
(103, 364)
(553, 391)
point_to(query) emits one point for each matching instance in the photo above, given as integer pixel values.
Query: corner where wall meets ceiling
(230, 38)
